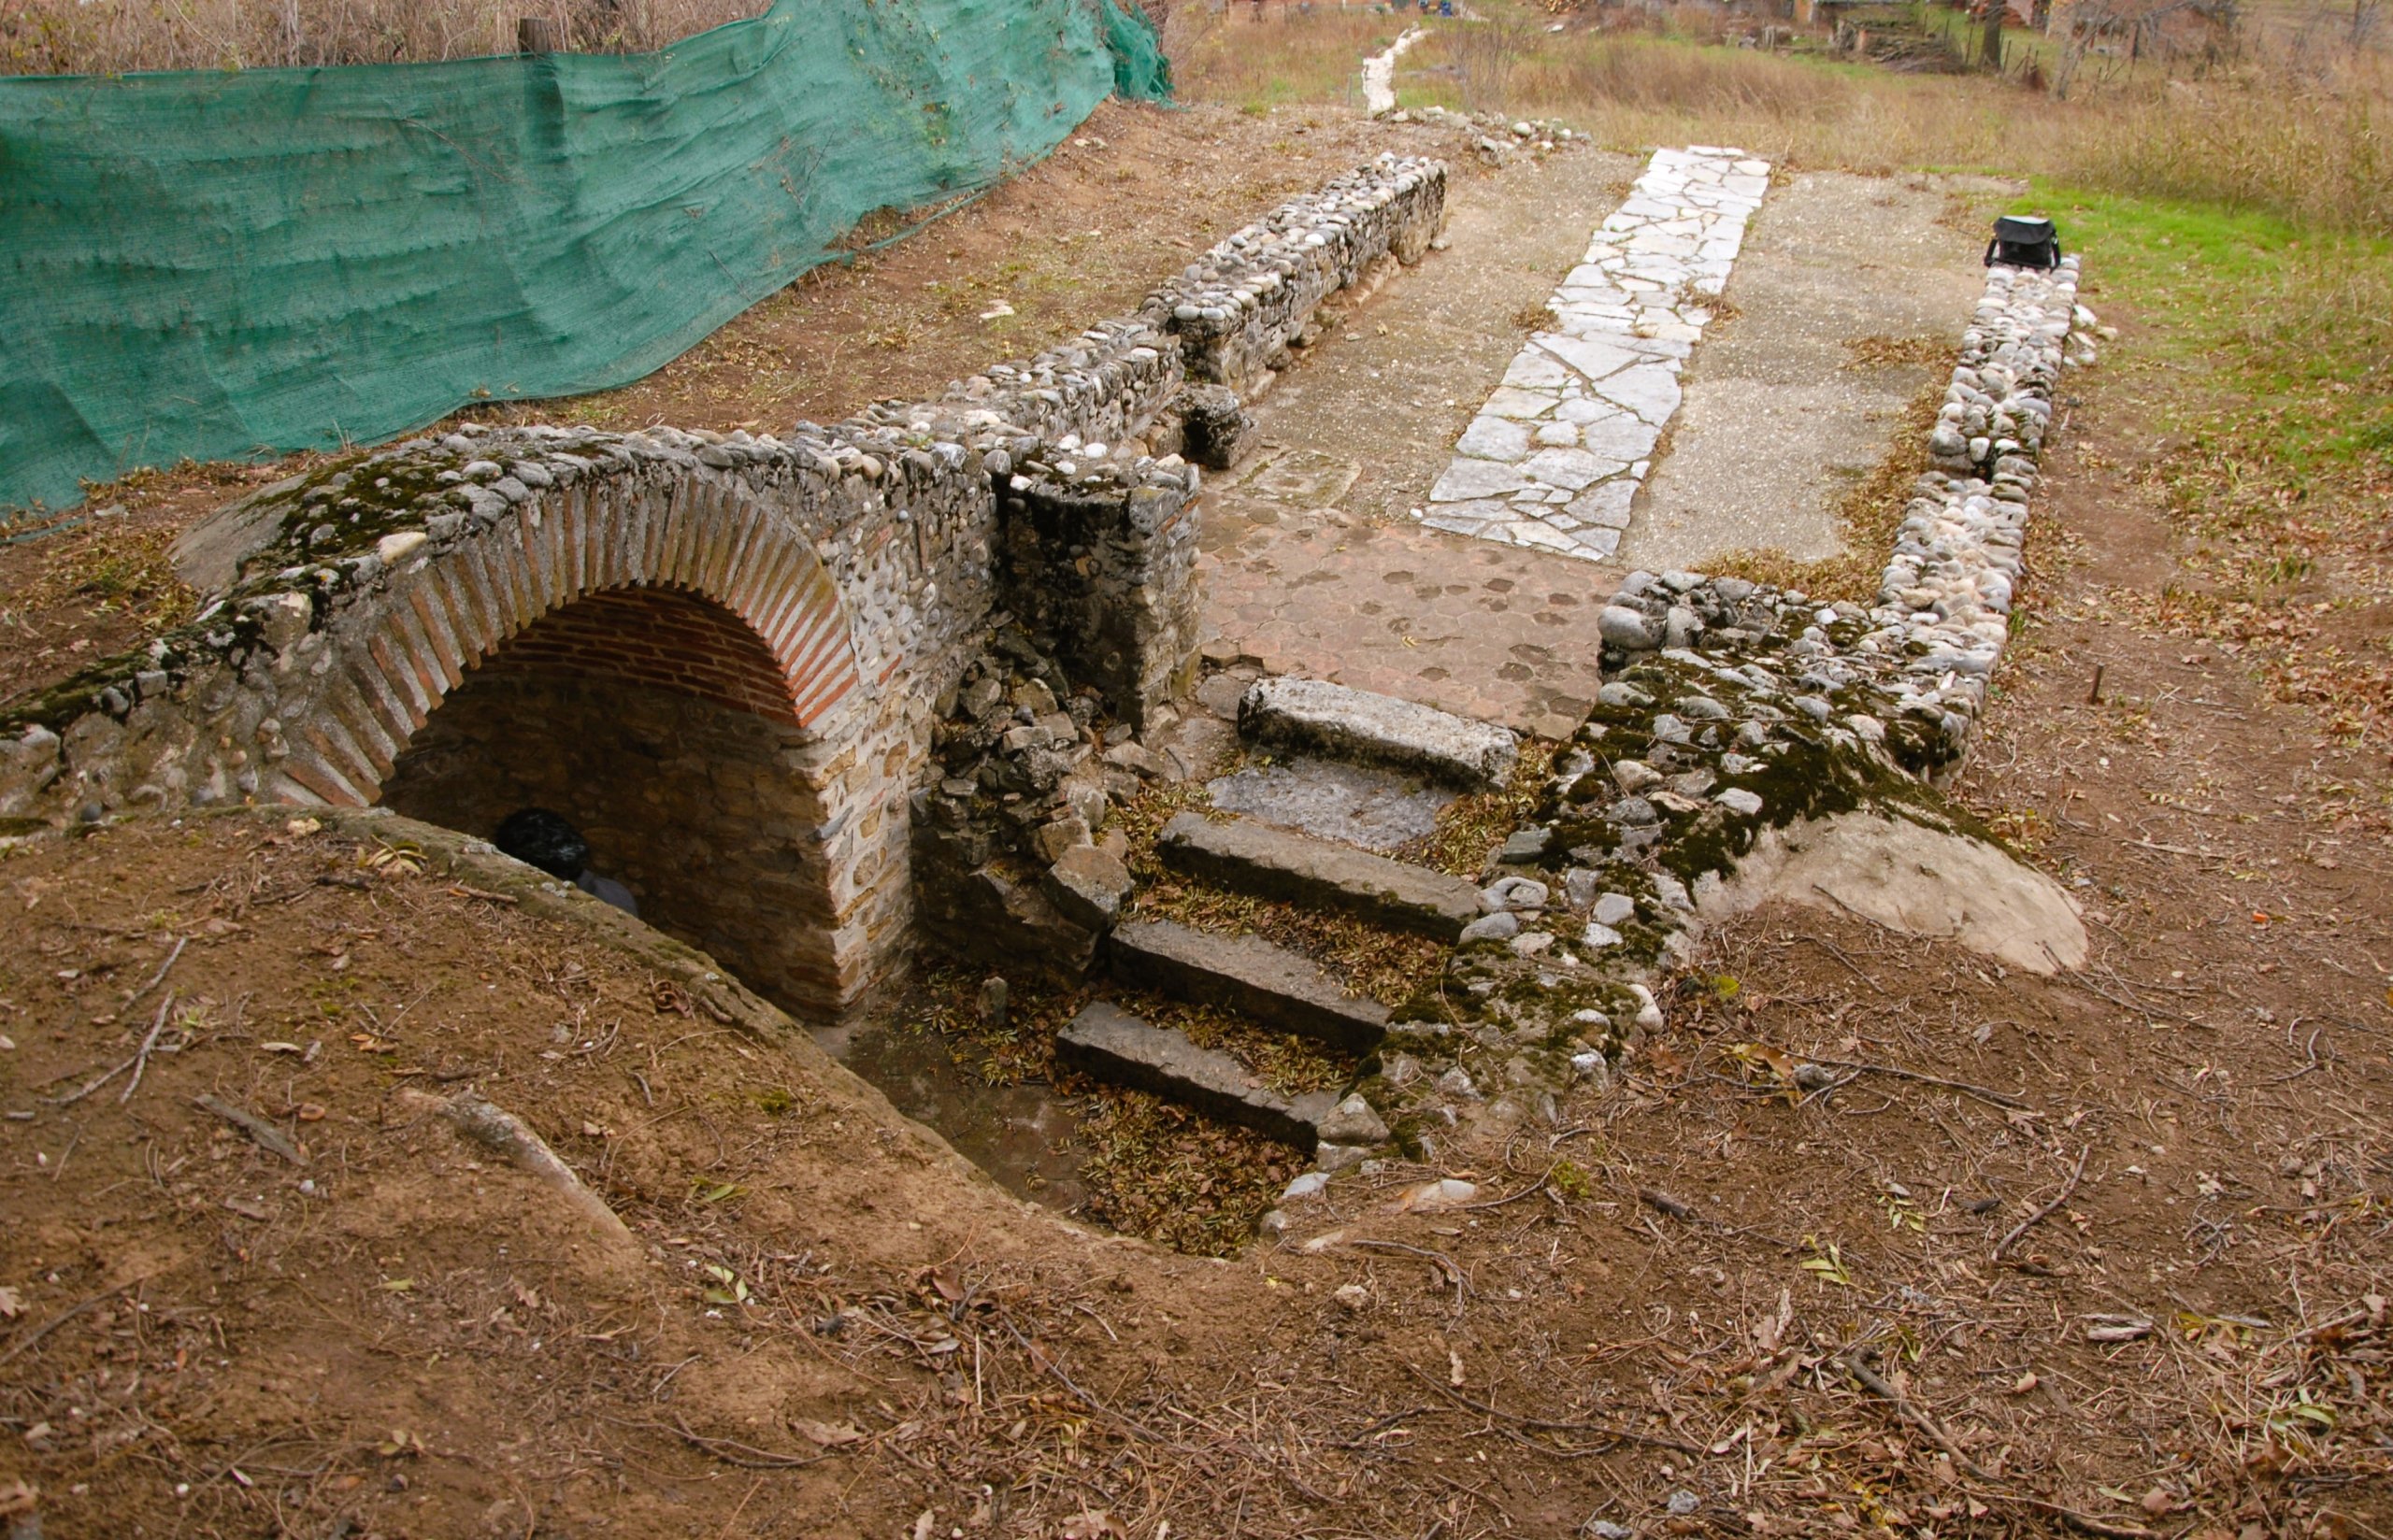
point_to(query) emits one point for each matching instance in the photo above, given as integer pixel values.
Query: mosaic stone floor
(1556, 454)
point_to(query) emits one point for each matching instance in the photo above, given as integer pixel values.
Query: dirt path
(1851, 294)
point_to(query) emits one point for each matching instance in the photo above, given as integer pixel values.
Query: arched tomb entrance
(664, 729)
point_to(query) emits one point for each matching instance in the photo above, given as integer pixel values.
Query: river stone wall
(863, 557)
(1732, 712)
(1235, 308)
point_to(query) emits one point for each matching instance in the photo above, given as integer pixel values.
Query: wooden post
(1990, 41)
(535, 35)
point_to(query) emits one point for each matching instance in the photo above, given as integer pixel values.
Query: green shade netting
(216, 264)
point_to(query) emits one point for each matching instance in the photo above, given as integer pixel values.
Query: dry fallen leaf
(826, 1435)
(10, 1305)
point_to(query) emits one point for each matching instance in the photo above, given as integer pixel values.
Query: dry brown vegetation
(117, 36)
(2303, 137)
(1277, 60)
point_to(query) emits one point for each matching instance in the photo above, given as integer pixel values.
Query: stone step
(1110, 1044)
(1248, 974)
(1256, 858)
(1337, 722)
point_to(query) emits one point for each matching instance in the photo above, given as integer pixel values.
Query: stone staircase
(1257, 978)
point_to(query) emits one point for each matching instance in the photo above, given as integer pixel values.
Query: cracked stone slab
(1110, 1044)
(1358, 803)
(1584, 405)
(1466, 480)
(1250, 857)
(1370, 728)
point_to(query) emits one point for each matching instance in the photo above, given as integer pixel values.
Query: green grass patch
(2295, 323)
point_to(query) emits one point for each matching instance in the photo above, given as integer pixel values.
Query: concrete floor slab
(1777, 421)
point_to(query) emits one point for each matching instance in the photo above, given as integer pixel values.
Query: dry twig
(2040, 1214)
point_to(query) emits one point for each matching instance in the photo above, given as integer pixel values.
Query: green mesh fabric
(217, 264)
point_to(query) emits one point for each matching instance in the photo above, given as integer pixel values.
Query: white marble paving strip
(1554, 458)
(1378, 73)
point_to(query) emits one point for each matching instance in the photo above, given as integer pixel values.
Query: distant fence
(211, 264)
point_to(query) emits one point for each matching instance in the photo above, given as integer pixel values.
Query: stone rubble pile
(1499, 138)
(1556, 457)
(1009, 866)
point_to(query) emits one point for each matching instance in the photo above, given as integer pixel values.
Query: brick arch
(445, 614)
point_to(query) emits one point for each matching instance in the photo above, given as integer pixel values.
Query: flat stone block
(1510, 401)
(1108, 1043)
(1272, 863)
(1649, 389)
(1360, 804)
(1607, 504)
(1619, 437)
(1533, 370)
(1493, 438)
(1466, 480)
(1088, 885)
(1591, 359)
(1569, 469)
(1248, 974)
(1542, 536)
(1358, 725)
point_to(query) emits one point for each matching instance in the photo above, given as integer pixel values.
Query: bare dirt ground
(2104, 1252)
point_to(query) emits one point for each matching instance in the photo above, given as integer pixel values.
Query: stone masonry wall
(862, 556)
(660, 638)
(1235, 307)
(1100, 565)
